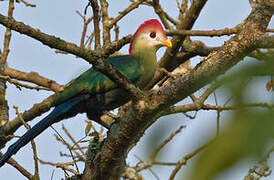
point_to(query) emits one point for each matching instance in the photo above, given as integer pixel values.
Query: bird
(94, 93)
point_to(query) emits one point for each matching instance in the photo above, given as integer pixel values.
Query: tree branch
(33, 145)
(46, 104)
(4, 109)
(160, 12)
(160, 147)
(19, 85)
(33, 77)
(195, 107)
(27, 4)
(184, 160)
(123, 13)
(35, 111)
(96, 20)
(137, 117)
(187, 23)
(21, 169)
(105, 18)
(211, 33)
(97, 58)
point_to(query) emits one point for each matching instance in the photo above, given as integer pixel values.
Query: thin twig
(33, 145)
(223, 108)
(4, 114)
(190, 116)
(81, 15)
(105, 21)
(172, 20)
(96, 19)
(182, 7)
(90, 40)
(131, 7)
(61, 139)
(33, 77)
(218, 114)
(148, 167)
(193, 98)
(63, 166)
(169, 74)
(160, 12)
(7, 36)
(21, 169)
(184, 160)
(145, 165)
(116, 30)
(52, 174)
(218, 123)
(79, 158)
(27, 3)
(208, 91)
(19, 85)
(72, 139)
(252, 3)
(167, 140)
(84, 31)
(165, 163)
(194, 107)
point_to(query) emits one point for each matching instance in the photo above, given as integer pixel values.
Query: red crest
(149, 24)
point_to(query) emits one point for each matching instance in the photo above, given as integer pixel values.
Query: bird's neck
(147, 59)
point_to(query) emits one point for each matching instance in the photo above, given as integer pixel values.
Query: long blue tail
(57, 114)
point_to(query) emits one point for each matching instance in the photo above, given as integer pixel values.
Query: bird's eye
(152, 35)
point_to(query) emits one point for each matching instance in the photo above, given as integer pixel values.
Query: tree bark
(138, 116)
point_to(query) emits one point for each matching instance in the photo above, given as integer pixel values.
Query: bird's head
(150, 36)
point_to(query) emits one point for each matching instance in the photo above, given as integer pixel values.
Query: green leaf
(88, 127)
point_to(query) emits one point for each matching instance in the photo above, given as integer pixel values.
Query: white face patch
(151, 39)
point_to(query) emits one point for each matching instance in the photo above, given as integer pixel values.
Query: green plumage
(95, 82)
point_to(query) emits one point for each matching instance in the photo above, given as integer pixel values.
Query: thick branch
(33, 77)
(227, 56)
(266, 42)
(19, 85)
(137, 117)
(211, 33)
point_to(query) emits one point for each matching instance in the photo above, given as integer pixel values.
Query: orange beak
(167, 43)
